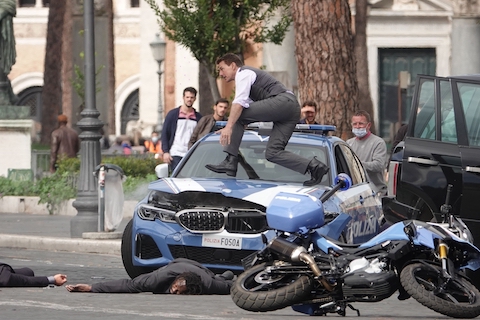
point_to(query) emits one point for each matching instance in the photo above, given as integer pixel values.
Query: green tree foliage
(211, 28)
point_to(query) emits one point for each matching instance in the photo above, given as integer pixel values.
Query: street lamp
(86, 203)
(158, 51)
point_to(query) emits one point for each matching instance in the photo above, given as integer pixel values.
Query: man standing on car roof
(260, 97)
(370, 149)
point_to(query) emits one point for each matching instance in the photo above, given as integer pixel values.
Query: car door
(431, 158)
(360, 201)
(469, 99)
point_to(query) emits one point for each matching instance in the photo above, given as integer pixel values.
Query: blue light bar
(314, 128)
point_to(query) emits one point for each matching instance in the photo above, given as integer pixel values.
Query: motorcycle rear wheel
(457, 298)
(259, 291)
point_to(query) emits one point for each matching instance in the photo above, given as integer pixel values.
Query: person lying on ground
(181, 276)
(25, 277)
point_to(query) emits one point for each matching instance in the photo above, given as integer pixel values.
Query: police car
(218, 220)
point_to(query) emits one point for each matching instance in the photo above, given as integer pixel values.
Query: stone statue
(8, 10)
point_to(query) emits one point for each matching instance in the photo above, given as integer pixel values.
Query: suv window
(470, 99)
(447, 113)
(254, 155)
(426, 124)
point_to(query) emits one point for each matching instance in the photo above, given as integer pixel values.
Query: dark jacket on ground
(22, 277)
(160, 280)
(204, 126)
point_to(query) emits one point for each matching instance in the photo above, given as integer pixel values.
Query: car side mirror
(161, 170)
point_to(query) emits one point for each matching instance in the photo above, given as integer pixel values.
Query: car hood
(261, 192)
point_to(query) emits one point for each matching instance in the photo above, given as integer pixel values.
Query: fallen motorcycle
(306, 266)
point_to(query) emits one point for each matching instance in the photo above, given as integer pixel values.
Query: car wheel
(127, 253)
(413, 200)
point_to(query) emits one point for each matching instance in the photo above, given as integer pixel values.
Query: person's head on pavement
(187, 283)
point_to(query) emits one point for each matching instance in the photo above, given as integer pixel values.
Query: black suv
(441, 148)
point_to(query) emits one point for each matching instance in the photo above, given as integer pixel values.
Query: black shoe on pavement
(227, 275)
(317, 169)
(228, 166)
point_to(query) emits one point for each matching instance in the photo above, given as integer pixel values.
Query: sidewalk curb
(61, 244)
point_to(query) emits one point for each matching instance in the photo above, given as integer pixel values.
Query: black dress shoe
(317, 169)
(228, 166)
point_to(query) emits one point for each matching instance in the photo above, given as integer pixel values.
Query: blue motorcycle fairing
(332, 230)
(394, 232)
(292, 212)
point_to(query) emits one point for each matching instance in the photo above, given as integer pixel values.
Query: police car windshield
(253, 165)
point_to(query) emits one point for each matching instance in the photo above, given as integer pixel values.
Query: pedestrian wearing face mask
(154, 145)
(370, 149)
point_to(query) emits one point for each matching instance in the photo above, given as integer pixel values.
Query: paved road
(57, 303)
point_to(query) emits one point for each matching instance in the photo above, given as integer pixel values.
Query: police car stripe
(170, 184)
(184, 184)
(264, 197)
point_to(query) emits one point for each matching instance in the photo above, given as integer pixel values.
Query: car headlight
(149, 212)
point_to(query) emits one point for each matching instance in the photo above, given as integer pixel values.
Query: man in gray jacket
(370, 149)
(206, 123)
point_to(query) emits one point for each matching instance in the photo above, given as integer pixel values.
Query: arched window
(129, 110)
(32, 97)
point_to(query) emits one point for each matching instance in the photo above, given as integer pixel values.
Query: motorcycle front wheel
(260, 291)
(456, 298)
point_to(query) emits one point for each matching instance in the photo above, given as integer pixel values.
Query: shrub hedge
(58, 187)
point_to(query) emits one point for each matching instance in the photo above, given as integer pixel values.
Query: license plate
(216, 241)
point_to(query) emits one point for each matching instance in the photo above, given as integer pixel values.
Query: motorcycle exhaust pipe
(297, 254)
(287, 249)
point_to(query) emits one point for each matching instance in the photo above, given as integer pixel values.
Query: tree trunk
(207, 87)
(326, 65)
(361, 55)
(52, 84)
(111, 69)
(67, 65)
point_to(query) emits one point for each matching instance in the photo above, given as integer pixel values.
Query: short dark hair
(310, 103)
(190, 89)
(228, 58)
(222, 100)
(193, 282)
(362, 113)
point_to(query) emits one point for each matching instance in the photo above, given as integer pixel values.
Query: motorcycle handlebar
(327, 194)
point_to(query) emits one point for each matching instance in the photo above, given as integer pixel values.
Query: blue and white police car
(218, 220)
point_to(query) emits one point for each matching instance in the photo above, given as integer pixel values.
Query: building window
(33, 3)
(130, 110)
(26, 3)
(32, 97)
(134, 3)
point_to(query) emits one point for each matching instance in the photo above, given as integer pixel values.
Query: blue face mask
(154, 139)
(359, 132)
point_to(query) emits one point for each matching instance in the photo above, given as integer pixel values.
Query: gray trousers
(284, 111)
